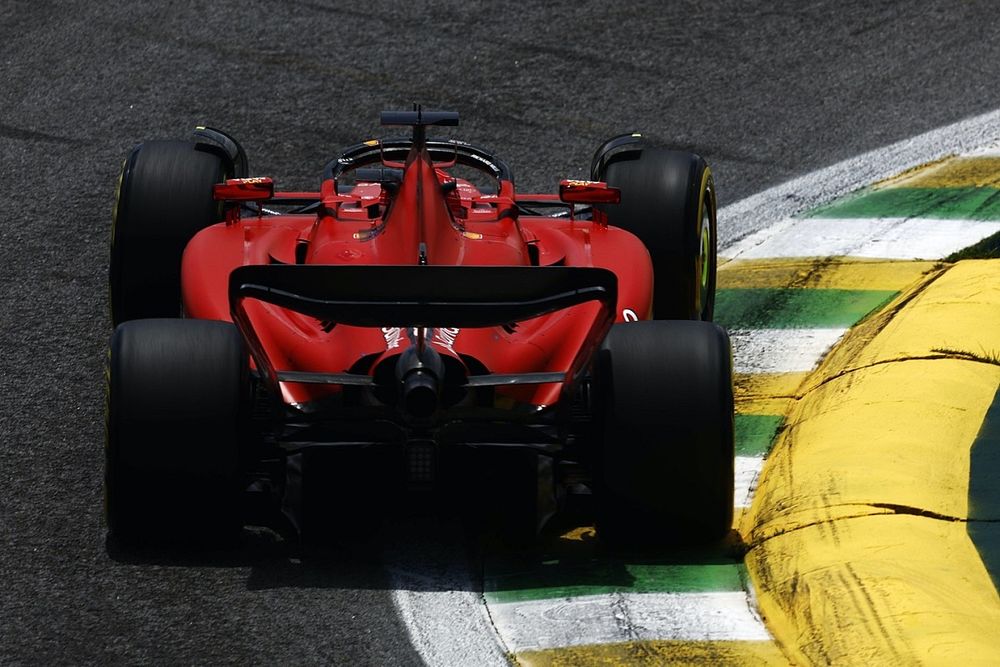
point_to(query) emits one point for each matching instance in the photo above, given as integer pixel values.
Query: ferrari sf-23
(314, 360)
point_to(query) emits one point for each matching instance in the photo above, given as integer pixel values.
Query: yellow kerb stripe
(657, 653)
(848, 274)
(878, 590)
(954, 172)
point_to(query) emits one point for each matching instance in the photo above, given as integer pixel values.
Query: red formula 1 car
(313, 357)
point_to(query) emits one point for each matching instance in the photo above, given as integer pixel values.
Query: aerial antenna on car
(419, 119)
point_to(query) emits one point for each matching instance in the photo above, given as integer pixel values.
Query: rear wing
(422, 296)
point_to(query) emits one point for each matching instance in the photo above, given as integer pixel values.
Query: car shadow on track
(274, 561)
(417, 550)
(433, 551)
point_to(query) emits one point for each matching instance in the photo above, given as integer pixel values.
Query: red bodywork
(432, 218)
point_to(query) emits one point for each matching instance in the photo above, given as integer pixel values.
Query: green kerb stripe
(755, 433)
(558, 579)
(796, 308)
(951, 203)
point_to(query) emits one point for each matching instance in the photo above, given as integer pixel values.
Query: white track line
(771, 206)
(622, 617)
(449, 627)
(437, 596)
(886, 238)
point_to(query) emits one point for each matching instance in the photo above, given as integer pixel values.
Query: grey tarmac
(765, 92)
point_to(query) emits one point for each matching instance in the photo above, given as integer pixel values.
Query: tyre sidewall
(663, 196)
(666, 417)
(164, 197)
(176, 395)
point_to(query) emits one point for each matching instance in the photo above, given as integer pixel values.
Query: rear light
(244, 189)
(588, 192)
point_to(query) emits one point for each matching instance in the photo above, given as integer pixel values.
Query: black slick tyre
(668, 201)
(664, 463)
(164, 198)
(176, 391)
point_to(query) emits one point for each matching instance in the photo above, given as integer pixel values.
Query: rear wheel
(668, 201)
(664, 465)
(175, 396)
(164, 198)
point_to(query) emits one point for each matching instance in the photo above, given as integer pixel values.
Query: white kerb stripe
(622, 617)
(747, 474)
(992, 150)
(781, 350)
(886, 238)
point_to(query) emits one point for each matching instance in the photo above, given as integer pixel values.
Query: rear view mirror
(588, 192)
(244, 189)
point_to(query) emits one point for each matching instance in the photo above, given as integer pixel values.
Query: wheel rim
(704, 259)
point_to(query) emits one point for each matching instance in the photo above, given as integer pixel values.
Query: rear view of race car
(311, 359)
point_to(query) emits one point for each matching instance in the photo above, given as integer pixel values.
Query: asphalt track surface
(764, 93)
